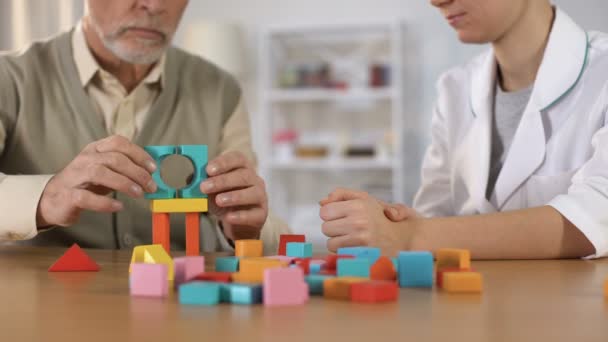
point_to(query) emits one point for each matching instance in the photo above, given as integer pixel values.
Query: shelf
(304, 95)
(333, 164)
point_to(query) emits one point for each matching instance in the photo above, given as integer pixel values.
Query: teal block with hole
(199, 293)
(415, 269)
(198, 155)
(353, 267)
(227, 264)
(299, 249)
(315, 283)
(244, 294)
(370, 253)
(159, 153)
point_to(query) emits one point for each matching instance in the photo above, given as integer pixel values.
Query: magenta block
(149, 280)
(187, 268)
(284, 286)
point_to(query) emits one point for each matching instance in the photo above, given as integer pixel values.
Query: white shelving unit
(356, 108)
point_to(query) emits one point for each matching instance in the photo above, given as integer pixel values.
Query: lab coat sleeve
(433, 198)
(586, 203)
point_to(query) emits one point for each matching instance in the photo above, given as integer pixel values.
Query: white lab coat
(559, 155)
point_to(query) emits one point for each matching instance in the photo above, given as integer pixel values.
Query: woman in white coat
(518, 164)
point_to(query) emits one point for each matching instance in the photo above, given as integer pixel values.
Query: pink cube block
(149, 280)
(187, 268)
(284, 286)
(287, 259)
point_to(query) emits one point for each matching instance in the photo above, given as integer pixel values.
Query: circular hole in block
(176, 171)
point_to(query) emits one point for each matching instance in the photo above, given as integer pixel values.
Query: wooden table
(522, 301)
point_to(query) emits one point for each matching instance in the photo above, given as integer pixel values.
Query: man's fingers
(252, 217)
(237, 179)
(123, 165)
(101, 175)
(121, 144)
(244, 197)
(227, 162)
(87, 200)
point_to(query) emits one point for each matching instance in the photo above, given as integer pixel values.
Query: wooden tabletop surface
(522, 301)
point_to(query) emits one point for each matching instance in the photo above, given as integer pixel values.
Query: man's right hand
(108, 165)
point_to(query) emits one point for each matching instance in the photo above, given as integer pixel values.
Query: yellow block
(180, 205)
(339, 288)
(462, 282)
(152, 254)
(248, 248)
(453, 258)
(251, 270)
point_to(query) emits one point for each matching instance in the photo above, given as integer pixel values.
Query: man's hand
(108, 165)
(354, 218)
(237, 196)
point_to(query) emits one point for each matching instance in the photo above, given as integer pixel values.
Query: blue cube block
(315, 283)
(415, 269)
(353, 268)
(314, 268)
(241, 294)
(299, 249)
(227, 264)
(199, 293)
(371, 253)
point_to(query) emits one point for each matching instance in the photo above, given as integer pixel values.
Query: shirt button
(128, 240)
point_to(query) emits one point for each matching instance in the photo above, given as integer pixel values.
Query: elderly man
(75, 111)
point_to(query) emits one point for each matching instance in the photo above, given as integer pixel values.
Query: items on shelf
(321, 75)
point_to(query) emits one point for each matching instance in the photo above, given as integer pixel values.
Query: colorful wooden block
(199, 293)
(374, 292)
(193, 235)
(304, 264)
(453, 258)
(371, 253)
(315, 283)
(331, 261)
(353, 268)
(187, 268)
(159, 153)
(459, 282)
(440, 273)
(326, 272)
(383, 269)
(149, 280)
(74, 260)
(395, 263)
(284, 239)
(284, 287)
(249, 248)
(161, 230)
(216, 277)
(251, 270)
(241, 294)
(299, 249)
(180, 205)
(198, 155)
(153, 254)
(339, 288)
(227, 264)
(284, 258)
(415, 269)
(316, 266)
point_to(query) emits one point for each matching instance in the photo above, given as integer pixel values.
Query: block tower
(189, 200)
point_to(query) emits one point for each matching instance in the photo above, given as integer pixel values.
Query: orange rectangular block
(606, 289)
(251, 270)
(453, 258)
(193, 234)
(340, 288)
(161, 230)
(458, 282)
(249, 248)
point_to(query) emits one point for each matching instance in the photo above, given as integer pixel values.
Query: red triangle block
(74, 260)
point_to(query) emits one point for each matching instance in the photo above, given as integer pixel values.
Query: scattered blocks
(315, 283)
(199, 293)
(249, 248)
(353, 268)
(153, 254)
(339, 288)
(285, 286)
(74, 260)
(415, 269)
(251, 270)
(285, 239)
(161, 230)
(441, 272)
(374, 292)
(458, 282)
(299, 249)
(453, 258)
(241, 294)
(371, 253)
(187, 268)
(149, 280)
(216, 277)
(179, 205)
(331, 261)
(383, 269)
(227, 264)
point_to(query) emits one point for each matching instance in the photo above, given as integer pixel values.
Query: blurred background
(340, 91)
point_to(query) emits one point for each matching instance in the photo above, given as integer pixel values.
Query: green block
(299, 249)
(198, 155)
(227, 264)
(353, 268)
(315, 283)
(244, 294)
(199, 293)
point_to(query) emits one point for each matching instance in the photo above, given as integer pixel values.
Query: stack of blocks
(454, 273)
(189, 200)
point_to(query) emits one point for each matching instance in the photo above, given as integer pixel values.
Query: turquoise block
(227, 264)
(371, 253)
(159, 153)
(198, 155)
(395, 263)
(415, 269)
(199, 293)
(315, 283)
(241, 294)
(353, 268)
(314, 268)
(299, 249)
